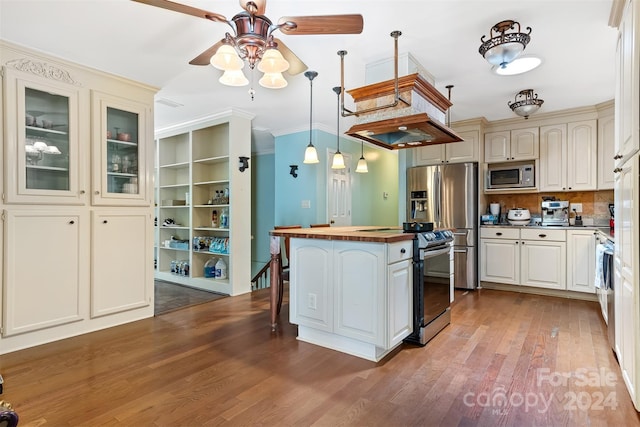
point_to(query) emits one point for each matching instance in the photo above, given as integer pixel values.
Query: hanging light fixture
(526, 103)
(362, 163)
(310, 154)
(338, 158)
(503, 47)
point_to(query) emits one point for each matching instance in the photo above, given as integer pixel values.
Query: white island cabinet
(352, 296)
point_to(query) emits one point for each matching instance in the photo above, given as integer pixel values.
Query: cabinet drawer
(399, 251)
(543, 234)
(499, 233)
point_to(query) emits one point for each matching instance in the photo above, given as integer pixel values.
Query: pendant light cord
(337, 90)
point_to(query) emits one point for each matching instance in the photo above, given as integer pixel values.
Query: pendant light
(362, 163)
(338, 158)
(310, 154)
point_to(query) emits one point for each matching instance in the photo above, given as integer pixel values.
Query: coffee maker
(555, 212)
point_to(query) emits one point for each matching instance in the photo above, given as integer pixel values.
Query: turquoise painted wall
(262, 208)
(276, 195)
(368, 205)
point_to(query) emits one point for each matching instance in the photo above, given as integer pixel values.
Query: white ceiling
(154, 46)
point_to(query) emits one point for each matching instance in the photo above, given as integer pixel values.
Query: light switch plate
(306, 204)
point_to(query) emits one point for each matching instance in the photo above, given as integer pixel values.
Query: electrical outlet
(576, 207)
(313, 301)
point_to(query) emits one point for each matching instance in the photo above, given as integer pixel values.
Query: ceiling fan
(252, 38)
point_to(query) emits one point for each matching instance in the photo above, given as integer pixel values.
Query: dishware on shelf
(29, 120)
(124, 136)
(109, 134)
(46, 124)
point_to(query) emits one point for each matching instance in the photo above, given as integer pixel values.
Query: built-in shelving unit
(198, 187)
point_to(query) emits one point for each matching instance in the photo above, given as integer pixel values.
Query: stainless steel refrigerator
(447, 195)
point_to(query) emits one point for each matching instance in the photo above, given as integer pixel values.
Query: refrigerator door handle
(438, 198)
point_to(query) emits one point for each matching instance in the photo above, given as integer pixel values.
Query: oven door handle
(431, 254)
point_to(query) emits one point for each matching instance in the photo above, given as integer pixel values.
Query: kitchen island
(350, 288)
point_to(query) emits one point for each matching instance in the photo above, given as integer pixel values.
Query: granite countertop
(602, 229)
(363, 233)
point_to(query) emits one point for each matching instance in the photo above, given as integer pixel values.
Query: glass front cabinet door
(42, 157)
(119, 157)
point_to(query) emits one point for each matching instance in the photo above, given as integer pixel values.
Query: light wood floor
(507, 359)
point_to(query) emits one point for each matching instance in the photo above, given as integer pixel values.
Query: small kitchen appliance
(521, 175)
(519, 216)
(555, 212)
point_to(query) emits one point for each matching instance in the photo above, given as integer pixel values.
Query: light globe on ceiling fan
(252, 40)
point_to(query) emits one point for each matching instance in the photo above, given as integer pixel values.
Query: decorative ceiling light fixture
(362, 163)
(311, 154)
(519, 65)
(526, 103)
(503, 47)
(338, 158)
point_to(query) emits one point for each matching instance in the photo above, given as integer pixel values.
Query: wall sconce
(293, 171)
(244, 163)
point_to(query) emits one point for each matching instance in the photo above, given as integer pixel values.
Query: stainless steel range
(432, 282)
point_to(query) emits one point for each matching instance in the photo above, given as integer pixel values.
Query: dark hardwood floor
(507, 359)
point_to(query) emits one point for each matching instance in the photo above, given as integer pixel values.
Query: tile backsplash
(595, 204)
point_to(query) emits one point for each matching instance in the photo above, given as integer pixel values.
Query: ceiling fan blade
(328, 24)
(296, 66)
(261, 5)
(181, 8)
(205, 57)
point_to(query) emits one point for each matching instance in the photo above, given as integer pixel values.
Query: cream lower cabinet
(45, 266)
(119, 247)
(581, 255)
(354, 297)
(528, 257)
(500, 260)
(543, 258)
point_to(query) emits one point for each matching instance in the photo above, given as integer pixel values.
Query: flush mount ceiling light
(503, 47)
(519, 65)
(526, 103)
(310, 154)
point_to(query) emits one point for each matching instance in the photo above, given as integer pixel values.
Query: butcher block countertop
(363, 233)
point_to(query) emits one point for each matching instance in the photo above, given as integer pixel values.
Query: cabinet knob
(498, 234)
(542, 235)
(96, 192)
(617, 156)
(517, 242)
(82, 191)
(72, 222)
(617, 170)
(403, 250)
(523, 243)
(104, 221)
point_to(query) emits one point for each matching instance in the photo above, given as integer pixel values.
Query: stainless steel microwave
(513, 176)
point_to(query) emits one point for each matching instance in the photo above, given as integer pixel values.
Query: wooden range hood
(417, 119)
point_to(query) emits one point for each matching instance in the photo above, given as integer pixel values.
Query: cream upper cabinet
(514, 145)
(606, 152)
(582, 149)
(43, 157)
(628, 96)
(455, 152)
(120, 136)
(568, 156)
(553, 157)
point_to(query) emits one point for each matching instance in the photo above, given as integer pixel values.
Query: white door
(339, 192)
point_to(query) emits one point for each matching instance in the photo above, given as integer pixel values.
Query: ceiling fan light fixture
(226, 58)
(273, 62)
(503, 47)
(233, 78)
(273, 81)
(526, 103)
